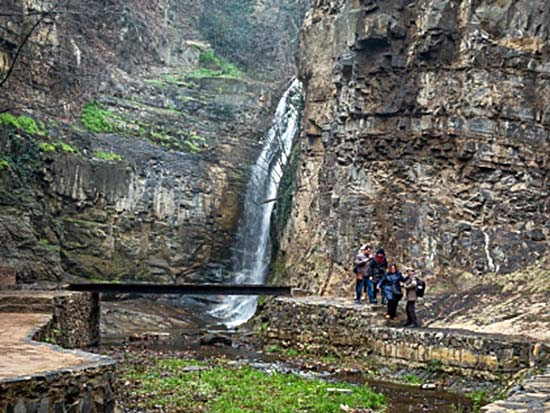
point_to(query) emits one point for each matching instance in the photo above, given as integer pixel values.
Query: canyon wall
(425, 131)
(137, 160)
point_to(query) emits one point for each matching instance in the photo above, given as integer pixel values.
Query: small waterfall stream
(252, 249)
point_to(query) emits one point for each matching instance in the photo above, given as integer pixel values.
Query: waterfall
(252, 249)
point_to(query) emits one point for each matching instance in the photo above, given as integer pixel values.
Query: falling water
(253, 247)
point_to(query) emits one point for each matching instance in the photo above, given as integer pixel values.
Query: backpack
(420, 288)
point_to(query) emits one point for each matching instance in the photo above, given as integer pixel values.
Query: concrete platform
(20, 356)
(41, 376)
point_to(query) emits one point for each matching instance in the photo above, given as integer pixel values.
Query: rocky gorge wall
(144, 136)
(426, 131)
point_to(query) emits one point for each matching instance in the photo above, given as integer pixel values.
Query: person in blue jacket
(390, 285)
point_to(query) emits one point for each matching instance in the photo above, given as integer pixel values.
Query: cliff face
(139, 165)
(426, 131)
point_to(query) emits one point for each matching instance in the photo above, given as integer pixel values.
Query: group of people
(372, 274)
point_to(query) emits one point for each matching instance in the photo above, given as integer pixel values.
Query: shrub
(4, 164)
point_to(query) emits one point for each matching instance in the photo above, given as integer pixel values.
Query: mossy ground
(176, 385)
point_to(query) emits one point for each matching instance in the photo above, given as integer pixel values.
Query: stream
(190, 343)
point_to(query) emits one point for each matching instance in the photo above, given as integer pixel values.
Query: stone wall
(75, 321)
(76, 382)
(346, 330)
(85, 389)
(426, 131)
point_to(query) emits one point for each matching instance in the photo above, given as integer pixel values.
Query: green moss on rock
(22, 122)
(95, 118)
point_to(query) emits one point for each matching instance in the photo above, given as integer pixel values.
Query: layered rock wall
(426, 131)
(155, 193)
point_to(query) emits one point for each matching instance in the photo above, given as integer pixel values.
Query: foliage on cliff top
(180, 385)
(95, 118)
(22, 122)
(213, 65)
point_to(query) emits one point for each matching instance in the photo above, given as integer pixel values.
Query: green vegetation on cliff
(213, 65)
(180, 385)
(4, 164)
(95, 118)
(57, 147)
(22, 122)
(108, 156)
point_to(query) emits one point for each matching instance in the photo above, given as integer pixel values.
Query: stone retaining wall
(82, 387)
(75, 321)
(345, 330)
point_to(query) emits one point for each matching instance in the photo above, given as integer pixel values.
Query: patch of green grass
(193, 147)
(330, 358)
(4, 164)
(263, 327)
(411, 379)
(22, 122)
(434, 366)
(173, 386)
(274, 348)
(213, 65)
(480, 398)
(108, 156)
(57, 146)
(292, 352)
(95, 117)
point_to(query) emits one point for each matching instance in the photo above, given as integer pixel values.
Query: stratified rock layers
(426, 131)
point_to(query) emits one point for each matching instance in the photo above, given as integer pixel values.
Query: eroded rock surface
(426, 131)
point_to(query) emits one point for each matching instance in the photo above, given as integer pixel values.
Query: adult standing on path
(376, 270)
(411, 282)
(361, 269)
(390, 284)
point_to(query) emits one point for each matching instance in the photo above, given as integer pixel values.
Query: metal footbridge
(181, 289)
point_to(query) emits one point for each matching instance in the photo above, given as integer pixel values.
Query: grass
(213, 65)
(95, 117)
(107, 156)
(57, 147)
(411, 379)
(4, 164)
(177, 385)
(480, 398)
(434, 366)
(22, 122)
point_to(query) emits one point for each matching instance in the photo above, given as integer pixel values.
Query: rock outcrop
(426, 131)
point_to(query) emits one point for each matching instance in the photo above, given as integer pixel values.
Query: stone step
(30, 308)
(25, 303)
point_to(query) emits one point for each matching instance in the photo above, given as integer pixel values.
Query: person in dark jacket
(391, 286)
(411, 282)
(376, 270)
